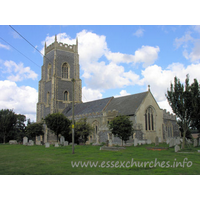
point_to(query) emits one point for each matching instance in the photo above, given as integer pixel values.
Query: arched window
(95, 125)
(169, 129)
(48, 98)
(65, 71)
(149, 119)
(66, 96)
(49, 71)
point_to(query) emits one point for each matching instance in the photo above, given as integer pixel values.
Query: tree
(58, 123)
(195, 102)
(179, 98)
(8, 121)
(18, 131)
(34, 129)
(122, 127)
(82, 130)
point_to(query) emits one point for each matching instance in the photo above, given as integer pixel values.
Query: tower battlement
(61, 46)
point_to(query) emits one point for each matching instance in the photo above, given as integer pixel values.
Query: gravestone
(195, 143)
(38, 142)
(178, 140)
(156, 141)
(177, 148)
(12, 141)
(168, 139)
(25, 140)
(159, 140)
(135, 142)
(66, 143)
(62, 139)
(30, 143)
(171, 142)
(56, 144)
(148, 141)
(47, 144)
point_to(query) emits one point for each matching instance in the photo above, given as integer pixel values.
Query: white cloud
(4, 46)
(139, 32)
(122, 93)
(18, 72)
(165, 105)
(90, 94)
(146, 55)
(109, 76)
(159, 79)
(183, 40)
(22, 99)
(194, 54)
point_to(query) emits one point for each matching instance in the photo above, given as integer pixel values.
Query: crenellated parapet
(58, 45)
(168, 115)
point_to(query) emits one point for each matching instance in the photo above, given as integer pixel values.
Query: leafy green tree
(122, 127)
(34, 129)
(8, 121)
(58, 123)
(18, 131)
(195, 103)
(179, 98)
(82, 130)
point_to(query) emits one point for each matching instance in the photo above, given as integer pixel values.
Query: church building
(61, 66)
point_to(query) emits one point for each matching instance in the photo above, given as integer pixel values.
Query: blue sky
(114, 60)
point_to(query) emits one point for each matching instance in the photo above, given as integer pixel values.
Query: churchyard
(30, 159)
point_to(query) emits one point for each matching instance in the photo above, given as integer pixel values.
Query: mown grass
(38, 160)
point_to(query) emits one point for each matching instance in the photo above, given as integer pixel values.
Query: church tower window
(65, 71)
(149, 119)
(66, 96)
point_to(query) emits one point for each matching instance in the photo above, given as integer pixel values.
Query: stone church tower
(60, 66)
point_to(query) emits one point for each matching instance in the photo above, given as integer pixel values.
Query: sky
(115, 60)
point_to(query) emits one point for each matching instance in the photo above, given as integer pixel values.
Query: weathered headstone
(12, 141)
(168, 139)
(47, 144)
(56, 144)
(65, 143)
(159, 140)
(25, 140)
(195, 143)
(171, 142)
(30, 143)
(135, 142)
(156, 141)
(177, 148)
(148, 141)
(178, 140)
(38, 142)
(62, 139)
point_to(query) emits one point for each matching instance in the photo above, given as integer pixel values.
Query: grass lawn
(38, 160)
